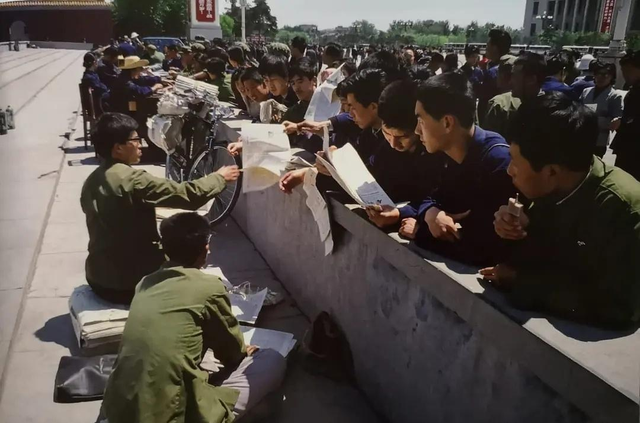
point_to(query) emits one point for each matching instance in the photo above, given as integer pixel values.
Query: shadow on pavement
(59, 330)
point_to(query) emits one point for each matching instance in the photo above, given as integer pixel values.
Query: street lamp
(243, 8)
(545, 18)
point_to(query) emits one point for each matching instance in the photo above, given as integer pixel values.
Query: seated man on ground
(177, 314)
(119, 203)
(577, 246)
(456, 221)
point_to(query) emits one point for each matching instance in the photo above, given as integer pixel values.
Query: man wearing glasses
(119, 203)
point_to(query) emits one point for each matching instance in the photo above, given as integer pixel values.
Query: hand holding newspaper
(349, 171)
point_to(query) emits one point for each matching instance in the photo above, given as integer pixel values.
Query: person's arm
(148, 81)
(494, 119)
(610, 296)
(221, 331)
(163, 192)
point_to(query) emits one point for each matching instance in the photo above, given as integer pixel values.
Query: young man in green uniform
(578, 244)
(177, 314)
(119, 203)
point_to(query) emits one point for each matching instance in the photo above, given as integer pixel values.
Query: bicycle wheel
(173, 170)
(208, 162)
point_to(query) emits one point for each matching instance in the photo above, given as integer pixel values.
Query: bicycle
(199, 153)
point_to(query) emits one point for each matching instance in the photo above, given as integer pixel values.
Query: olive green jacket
(502, 109)
(581, 256)
(176, 314)
(119, 203)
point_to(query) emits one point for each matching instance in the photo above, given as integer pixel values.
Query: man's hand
(382, 218)
(229, 173)
(290, 128)
(291, 180)
(251, 350)
(313, 127)
(501, 276)
(157, 87)
(444, 226)
(510, 227)
(320, 166)
(409, 228)
(615, 124)
(235, 148)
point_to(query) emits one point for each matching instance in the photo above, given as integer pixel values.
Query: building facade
(73, 21)
(578, 15)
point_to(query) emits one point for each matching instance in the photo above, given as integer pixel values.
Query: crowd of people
(497, 164)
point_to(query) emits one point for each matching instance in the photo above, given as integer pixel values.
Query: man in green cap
(119, 203)
(178, 313)
(153, 55)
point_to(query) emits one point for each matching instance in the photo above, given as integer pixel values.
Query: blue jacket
(126, 89)
(176, 62)
(552, 84)
(480, 184)
(108, 73)
(92, 80)
(581, 84)
(127, 49)
(403, 176)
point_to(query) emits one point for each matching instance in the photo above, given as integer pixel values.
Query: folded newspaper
(265, 154)
(347, 168)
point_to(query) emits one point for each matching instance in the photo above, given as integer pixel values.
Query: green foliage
(150, 17)
(633, 41)
(227, 23)
(286, 35)
(558, 39)
(259, 20)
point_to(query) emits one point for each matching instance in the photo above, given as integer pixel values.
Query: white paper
(317, 205)
(282, 342)
(324, 104)
(247, 307)
(355, 175)
(265, 154)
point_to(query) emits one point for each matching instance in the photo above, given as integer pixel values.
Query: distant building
(73, 21)
(576, 16)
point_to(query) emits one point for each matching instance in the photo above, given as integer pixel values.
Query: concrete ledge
(430, 341)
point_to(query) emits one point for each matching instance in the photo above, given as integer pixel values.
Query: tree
(286, 35)
(260, 19)
(227, 23)
(150, 17)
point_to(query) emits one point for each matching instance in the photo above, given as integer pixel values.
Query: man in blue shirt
(108, 70)
(498, 45)
(172, 59)
(557, 71)
(125, 48)
(456, 221)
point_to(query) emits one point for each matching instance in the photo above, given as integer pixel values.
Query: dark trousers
(113, 295)
(630, 163)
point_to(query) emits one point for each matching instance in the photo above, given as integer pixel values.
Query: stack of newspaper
(199, 87)
(96, 322)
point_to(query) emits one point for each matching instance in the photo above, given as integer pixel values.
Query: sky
(332, 13)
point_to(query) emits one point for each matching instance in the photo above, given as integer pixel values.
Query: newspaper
(246, 307)
(325, 103)
(282, 342)
(265, 155)
(319, 209)
(349, 171)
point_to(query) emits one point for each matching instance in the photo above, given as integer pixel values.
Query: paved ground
(43, 242)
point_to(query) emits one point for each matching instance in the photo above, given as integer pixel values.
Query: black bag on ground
(326, 350)
(82, 379)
